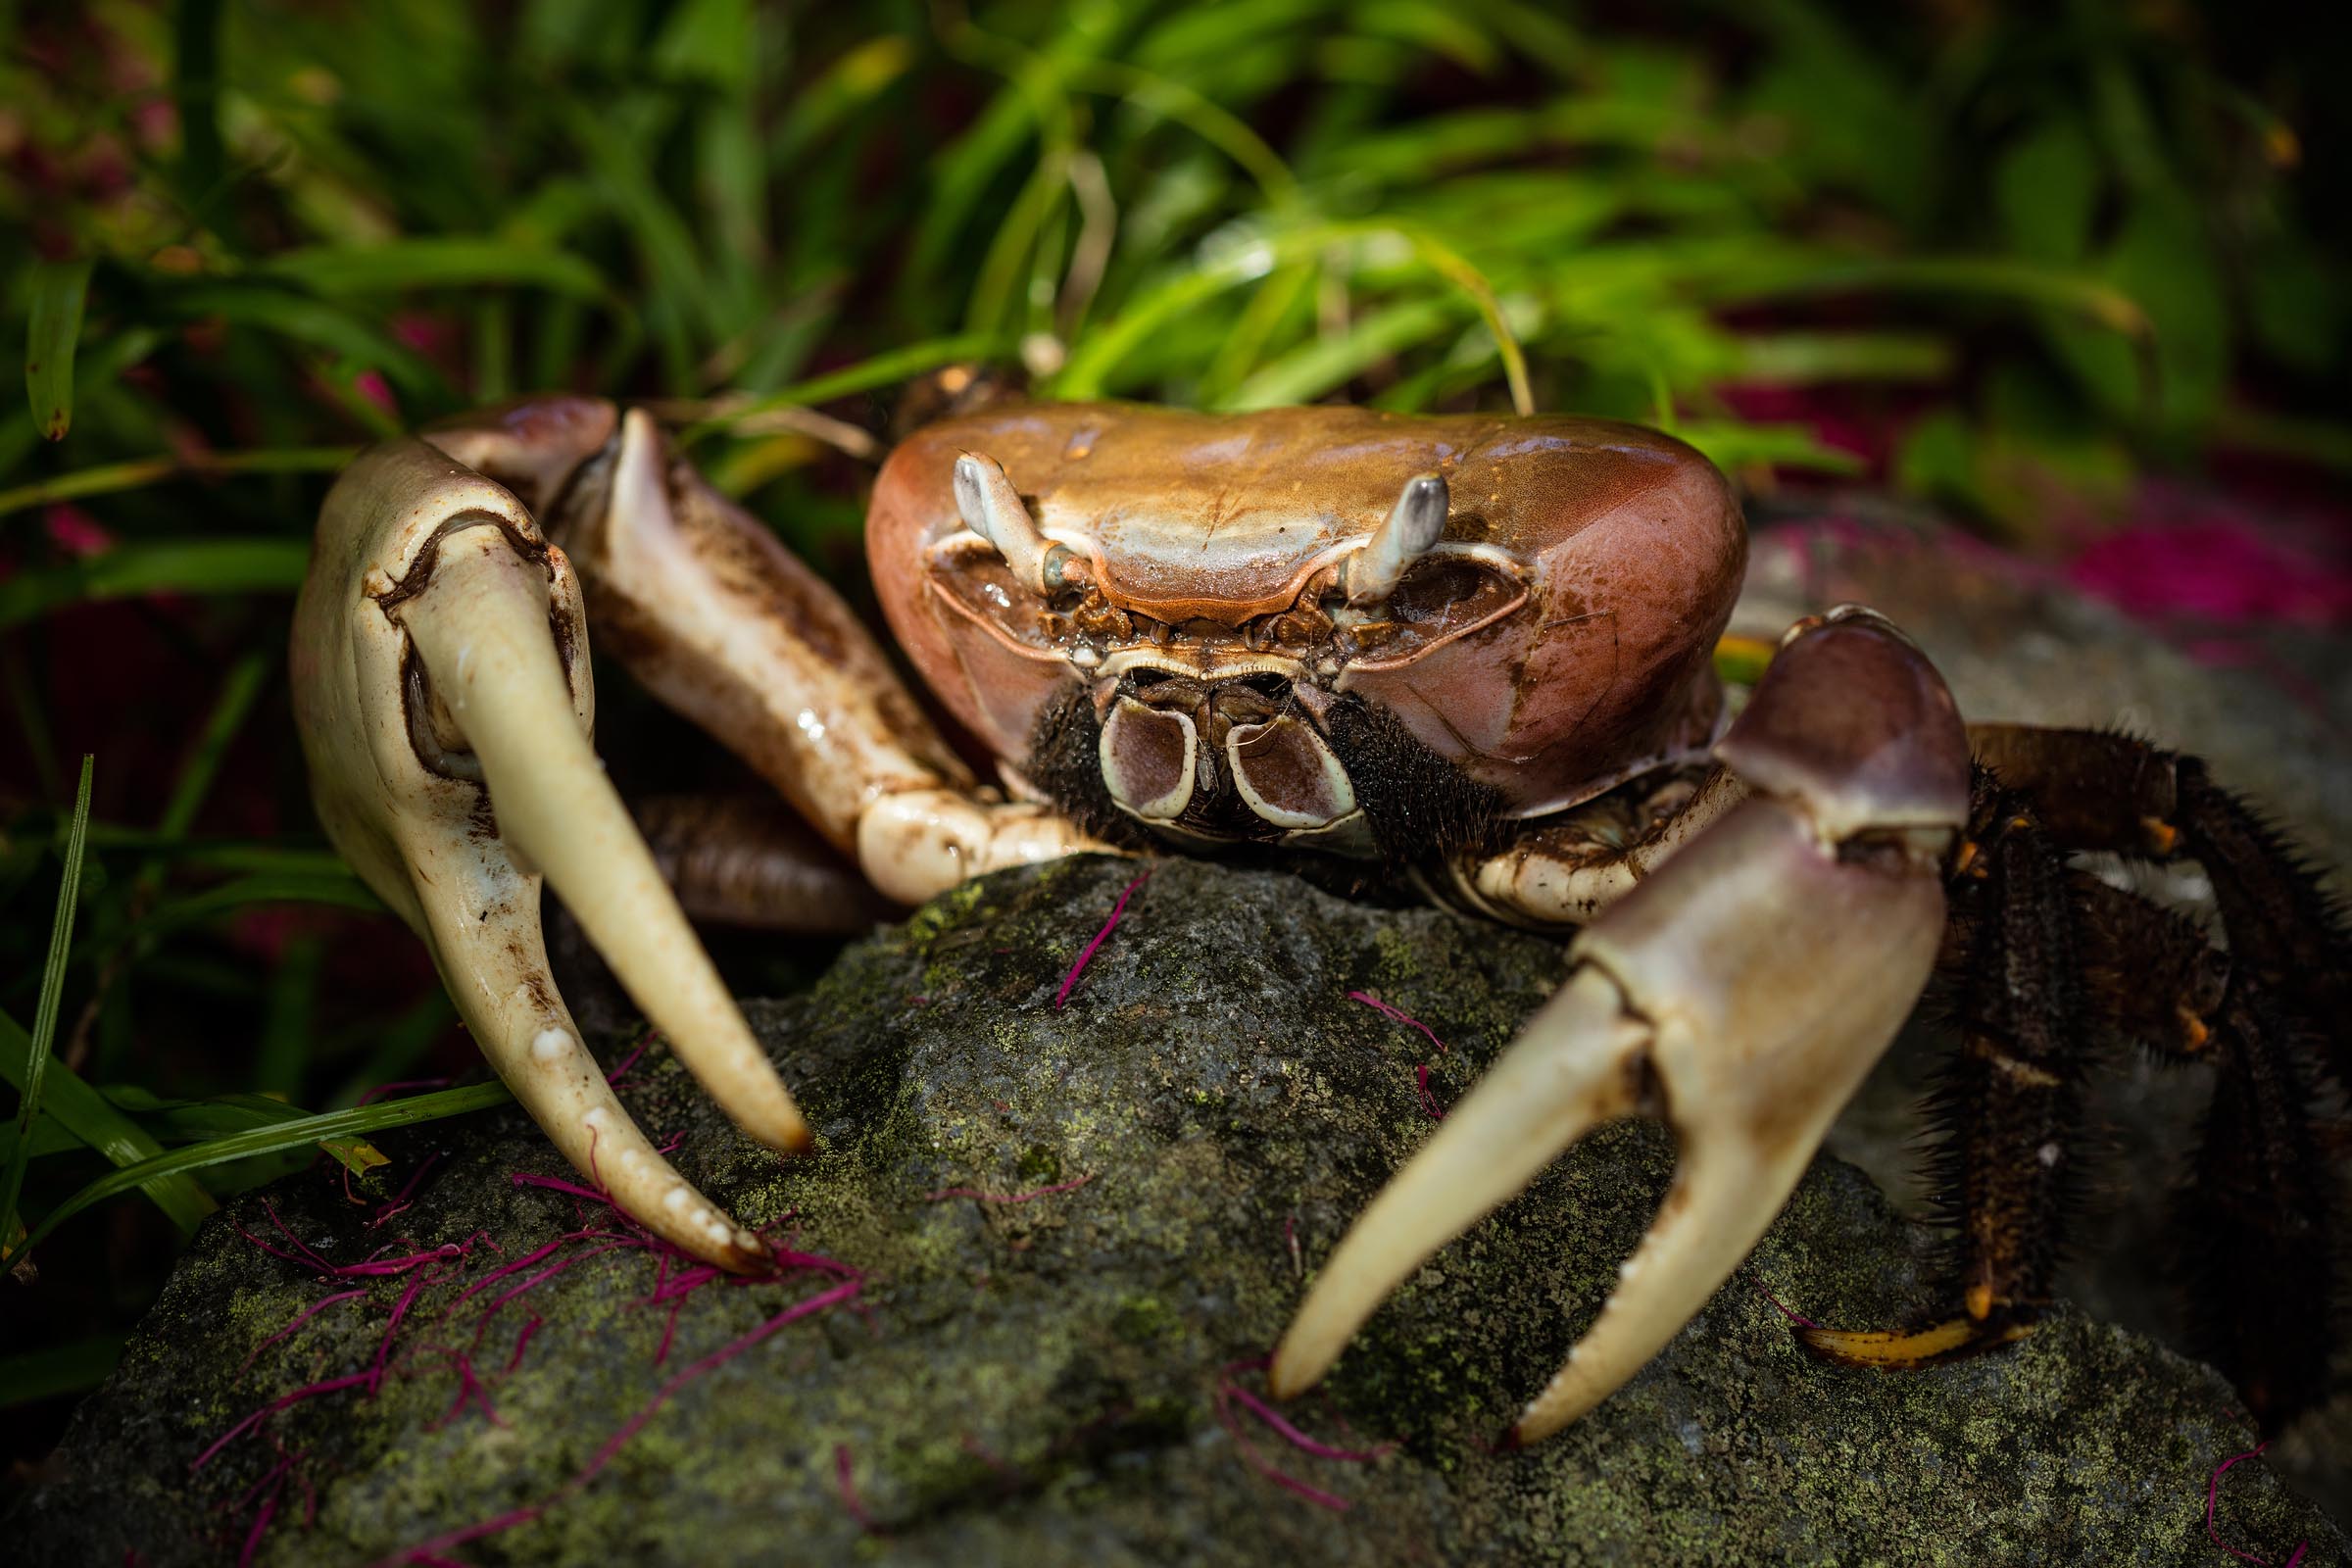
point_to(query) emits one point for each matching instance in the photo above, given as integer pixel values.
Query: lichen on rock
(1046, 1381)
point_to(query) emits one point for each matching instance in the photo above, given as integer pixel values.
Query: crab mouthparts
(1244, 759)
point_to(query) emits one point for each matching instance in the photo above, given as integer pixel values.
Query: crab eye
(1434, 586)
(992, 509)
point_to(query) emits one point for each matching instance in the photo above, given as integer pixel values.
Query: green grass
(243, 239)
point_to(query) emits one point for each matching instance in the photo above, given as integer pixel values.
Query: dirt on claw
(1055, 1381)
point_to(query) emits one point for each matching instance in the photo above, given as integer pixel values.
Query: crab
(1464, 658)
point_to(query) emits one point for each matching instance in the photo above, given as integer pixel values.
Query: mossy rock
(1039, 1382)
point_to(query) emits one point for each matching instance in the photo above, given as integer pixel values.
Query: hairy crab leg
(723, 623)
(1741, 993)
(750, 860)
(440, 678)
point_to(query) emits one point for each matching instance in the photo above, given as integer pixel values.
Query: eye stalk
(992, 509)
(1415, 523)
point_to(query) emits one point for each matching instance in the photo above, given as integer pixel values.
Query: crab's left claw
(1741, 993)
(441, 684)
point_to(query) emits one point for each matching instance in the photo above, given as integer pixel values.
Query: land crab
(1465, 656)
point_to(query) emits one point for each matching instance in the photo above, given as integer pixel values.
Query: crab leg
(748, 860)
(1741, 993)
(728, 628)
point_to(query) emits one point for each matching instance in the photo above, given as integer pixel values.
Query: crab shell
(1555, 641)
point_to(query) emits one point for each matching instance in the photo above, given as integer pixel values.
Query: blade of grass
(436, 261)
(57, 1369)
(88, 1115)
(58, 291)
(49, 1137)
(96, 365)
(138, 472)
(1317, 366)
(1730, 446)
(220, 854)
(1182, 105)
(2000, 277)
(339, 889)
(397, 1045)
(171, 565)
(237, 693)
(29, 1079)
(303, 318)
(288, 1010)
(1794, 359)
(183, 1121)
(331, 1125)
(196, 98)
(32, 717)
(883, 369)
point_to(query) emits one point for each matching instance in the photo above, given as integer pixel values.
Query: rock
(1044, 1382)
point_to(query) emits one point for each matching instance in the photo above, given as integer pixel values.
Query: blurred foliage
(1985, 254)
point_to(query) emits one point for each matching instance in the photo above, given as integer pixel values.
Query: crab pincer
(1740, 994)
(445, 708)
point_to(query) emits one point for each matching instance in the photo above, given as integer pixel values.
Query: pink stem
(303, 1317)
(1399, 1014)
(1031, 1195)
(2213, 1497)
(1088, 952)
(426, 1551)
(848, 1490)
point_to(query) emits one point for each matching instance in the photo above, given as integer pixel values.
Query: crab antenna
(1415, 523)
(992, 509)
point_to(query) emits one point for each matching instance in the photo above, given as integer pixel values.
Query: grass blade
(173, 567)
(1314, 368)
(892, 366)
(139, 472)
(58, 291)
(333, 1125)
(340, 889)
(220, 727)
(436, 261)
(45, 1014)
(89, 1116)
(57, 1369)
(1730, 446)
(190, 1121)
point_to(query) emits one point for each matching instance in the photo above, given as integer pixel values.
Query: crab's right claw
(441, 687)
(1741, 993)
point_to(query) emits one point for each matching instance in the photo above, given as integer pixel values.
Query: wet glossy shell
(1606, 560)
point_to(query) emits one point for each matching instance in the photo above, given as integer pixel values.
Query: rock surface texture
(1076, 1228)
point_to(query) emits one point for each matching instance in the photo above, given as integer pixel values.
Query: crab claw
(1741, 993)
(441, 683)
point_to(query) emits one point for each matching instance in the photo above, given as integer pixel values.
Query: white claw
(426, 672)
(1742, 994)
(1535, 1100)
(481, 626)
